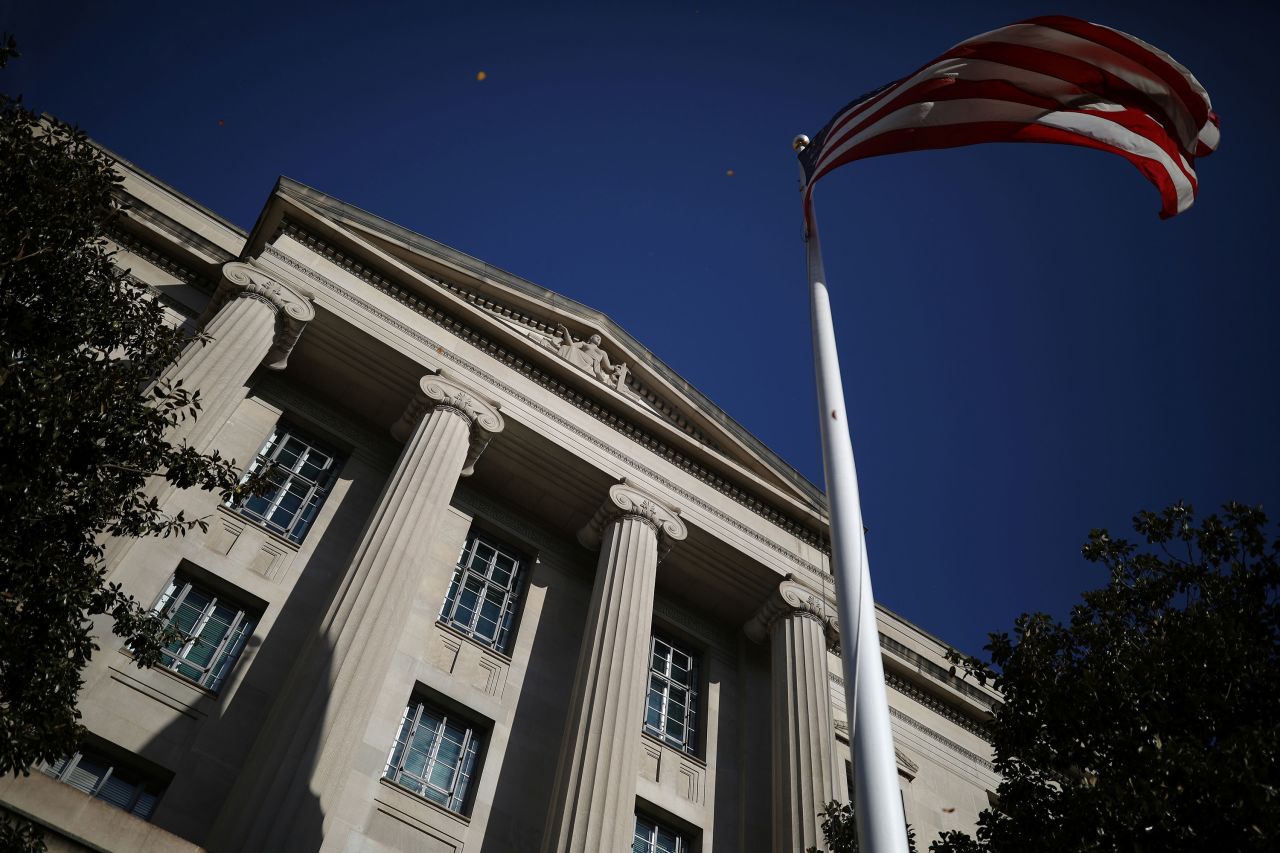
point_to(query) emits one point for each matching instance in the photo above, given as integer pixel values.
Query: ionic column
(253, 320)
(594, 806)
(806, 771)
(304, 752)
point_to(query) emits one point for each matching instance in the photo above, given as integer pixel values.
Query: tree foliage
(83, 426)
(840, 829)
(1149, 721)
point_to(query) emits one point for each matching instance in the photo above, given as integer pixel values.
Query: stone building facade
(517, 585)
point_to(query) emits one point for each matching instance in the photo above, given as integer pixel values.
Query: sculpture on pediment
(587, 355)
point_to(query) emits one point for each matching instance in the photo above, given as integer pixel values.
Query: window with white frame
(106, 780)
(300, 472)
(213, 631)
(671, 711)
(485, 592)
(434, 755)
(653, 837)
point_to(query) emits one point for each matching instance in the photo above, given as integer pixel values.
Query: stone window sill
(418, 799)
(250, 521)
(488, 650)
(692, 757)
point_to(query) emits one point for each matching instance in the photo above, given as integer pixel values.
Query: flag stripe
(936, 91)
(949, 124)
(1097, 68)
(1078, 83)
(1175, 75)
(1037, 69)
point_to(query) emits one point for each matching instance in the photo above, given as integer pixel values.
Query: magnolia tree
(83, 426)
(1150, 720)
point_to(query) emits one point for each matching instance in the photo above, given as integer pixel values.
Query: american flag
(1048, 79)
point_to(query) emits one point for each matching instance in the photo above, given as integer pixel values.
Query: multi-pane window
(100, 777)
(300, 472)
(484, 593)
(213, 632)
(434, 755)
(653, 837)
(671, 711)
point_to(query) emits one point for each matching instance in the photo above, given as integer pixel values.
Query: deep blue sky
(1029, 351)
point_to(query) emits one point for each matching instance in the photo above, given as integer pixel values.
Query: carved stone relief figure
(586, 355)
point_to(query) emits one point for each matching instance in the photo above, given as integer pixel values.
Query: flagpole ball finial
(800, 143)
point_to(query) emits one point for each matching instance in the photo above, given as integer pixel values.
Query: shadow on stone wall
(277, 692)
(526, 783)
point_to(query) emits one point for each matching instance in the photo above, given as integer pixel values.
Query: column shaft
(804, 762)
(290, 787)
(242, 333)
(594, 805)
(598, 812)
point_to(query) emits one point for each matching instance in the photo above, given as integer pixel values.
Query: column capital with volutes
(791, 600)
(290, 303)
(436, 392)
(628, 500)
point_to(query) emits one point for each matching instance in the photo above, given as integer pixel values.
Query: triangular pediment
(574, 342)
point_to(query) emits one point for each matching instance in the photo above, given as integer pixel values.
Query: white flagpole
(877, 802)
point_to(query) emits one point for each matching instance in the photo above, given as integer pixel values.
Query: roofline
(167, 187)
(413, 239)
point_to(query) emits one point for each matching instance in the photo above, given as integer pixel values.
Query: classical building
(516, 586)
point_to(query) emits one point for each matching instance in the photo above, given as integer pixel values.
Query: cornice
(904, 762)
(604, 414)
(560, 390)
(906, 688)
(939, 673)
(185, 274)
(540, 328)
(171, 228)
(325, 206)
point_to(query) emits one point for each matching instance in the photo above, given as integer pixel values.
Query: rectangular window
(301, 472)
(100, 777)
(213, 630)
(434, 755)
(484, 592)
(653, 837)
(671, 711)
